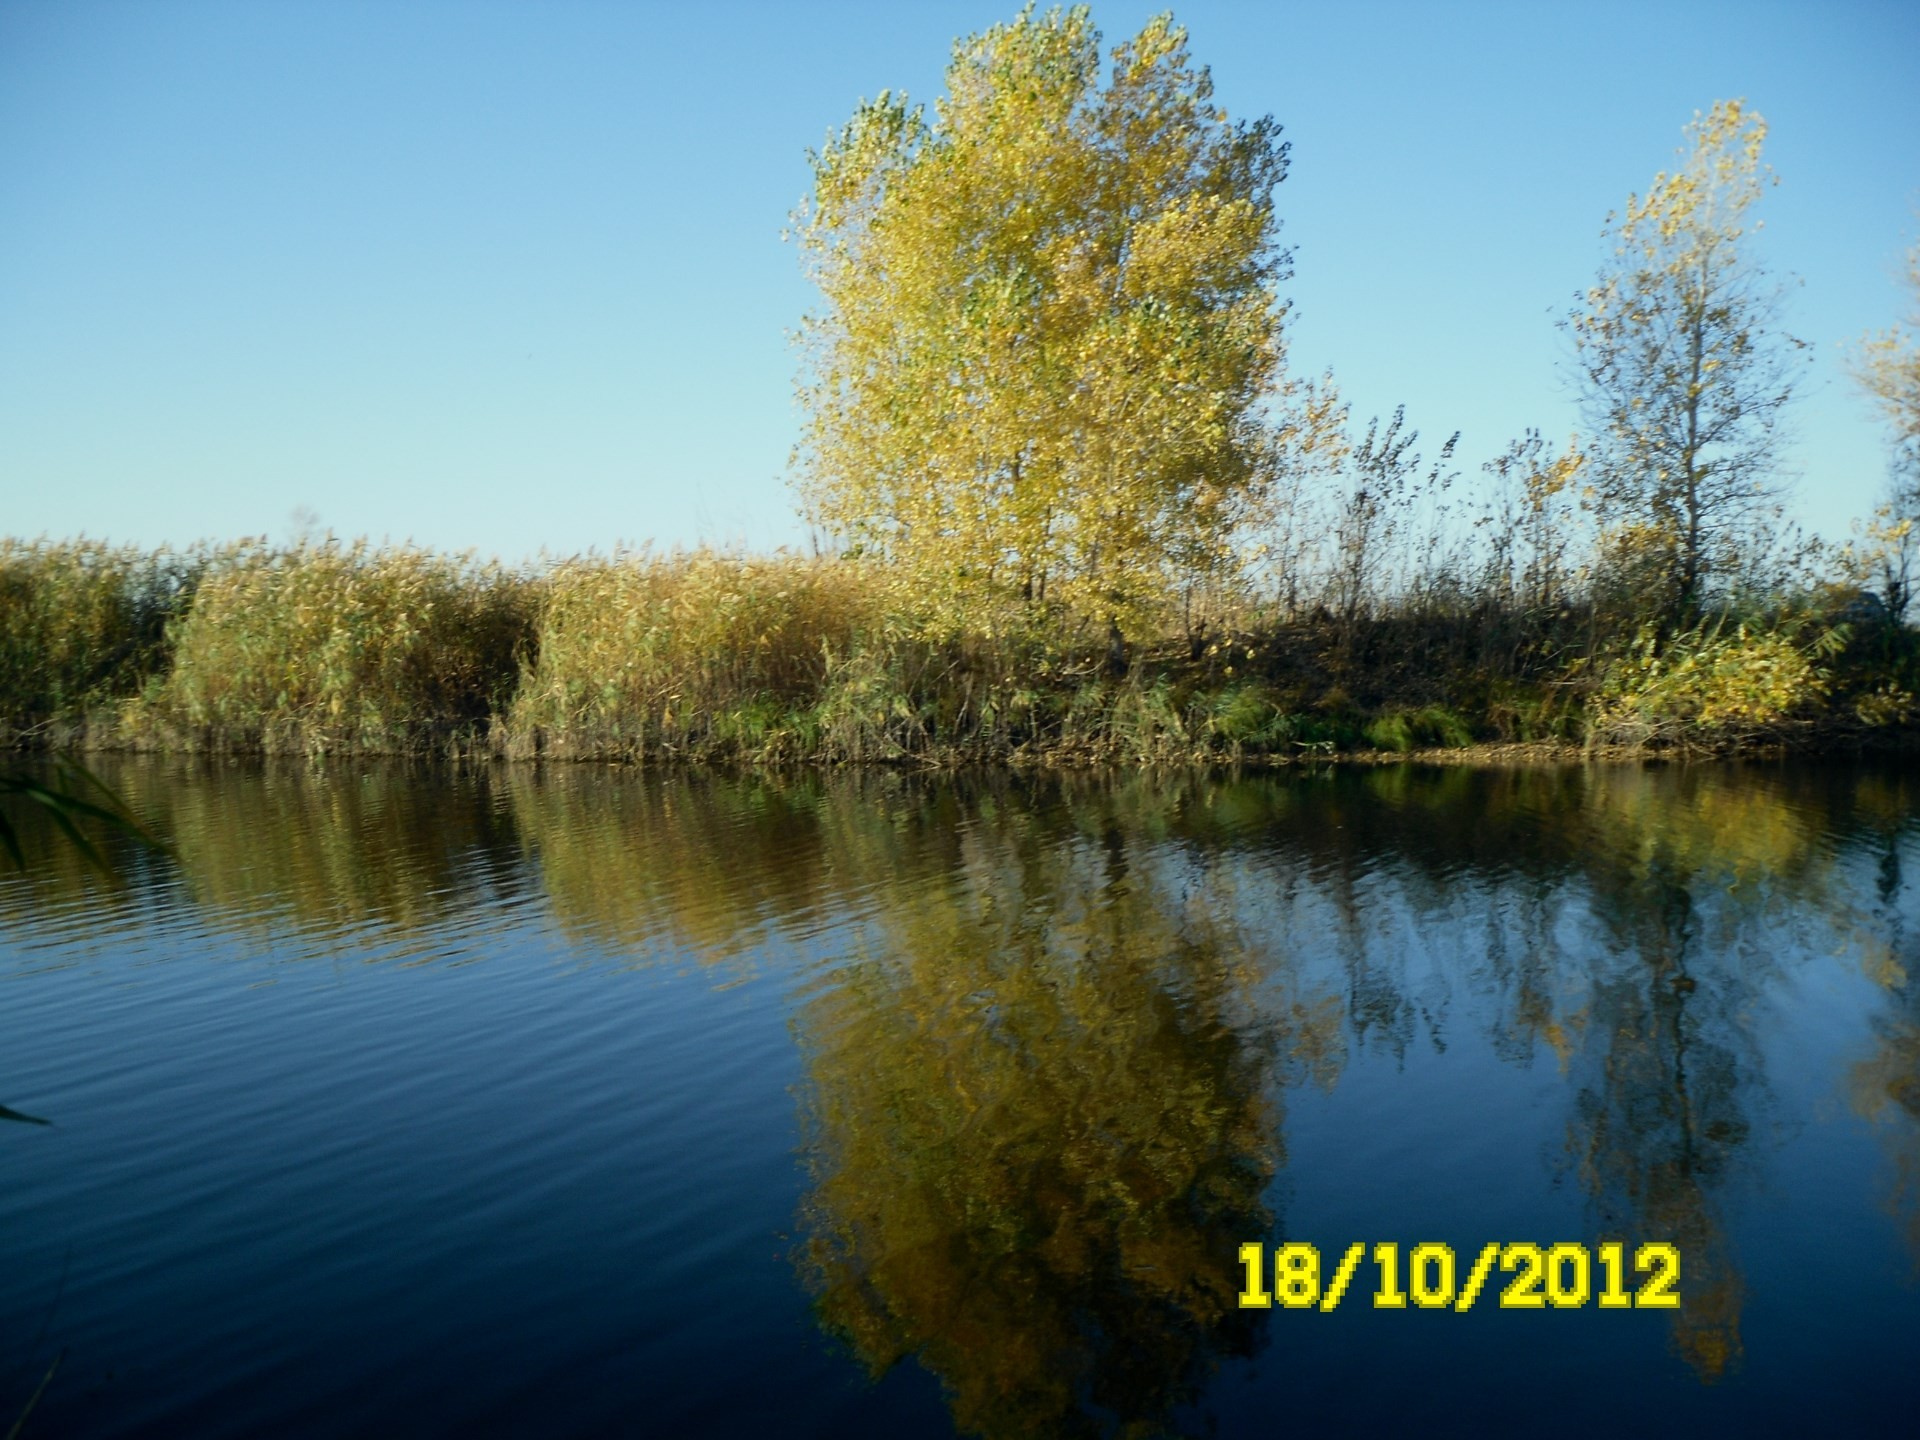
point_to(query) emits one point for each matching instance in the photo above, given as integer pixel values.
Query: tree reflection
(1885, 1086)
(1658, 1130)
(1043, 1097)
(1041, 1118)
(1886, 1089)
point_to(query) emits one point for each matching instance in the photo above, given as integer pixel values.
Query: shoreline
(775, 661)
(468, 749)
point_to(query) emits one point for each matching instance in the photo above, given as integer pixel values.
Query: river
(578, 1101)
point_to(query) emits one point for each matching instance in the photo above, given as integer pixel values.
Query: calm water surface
(580, 1102)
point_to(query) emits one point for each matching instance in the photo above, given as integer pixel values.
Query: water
(583, 1102)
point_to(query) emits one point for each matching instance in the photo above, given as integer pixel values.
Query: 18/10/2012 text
(1558, 1276)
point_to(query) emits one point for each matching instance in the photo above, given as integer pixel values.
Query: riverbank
(331, 649)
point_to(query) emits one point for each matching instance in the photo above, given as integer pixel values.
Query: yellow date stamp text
(1566, 1276)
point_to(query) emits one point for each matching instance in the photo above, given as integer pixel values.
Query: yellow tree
(1887, 365)
(1683, 376)
(1048, 325)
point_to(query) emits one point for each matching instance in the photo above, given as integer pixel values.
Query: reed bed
(706, 656)
(697, 655)
(82, 623)
(332, 648)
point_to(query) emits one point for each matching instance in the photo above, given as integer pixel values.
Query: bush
(1434, 727)
(1708, 686)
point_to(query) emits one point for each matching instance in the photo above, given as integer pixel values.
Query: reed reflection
(1042, 1106)
(1045, 1095)
(382, 849)
(715, 865)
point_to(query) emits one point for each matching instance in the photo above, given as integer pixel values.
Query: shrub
(1708, 686)
(1432, 727)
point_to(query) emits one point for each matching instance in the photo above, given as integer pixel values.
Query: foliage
(1432, 727)
(1884, 705)
(687, 653)
(1049, 321)
(774, 659)
(1531, 530)
(1385, 481)
(1719, 681)
(1882, 555)
(1682, 375)
(1036, 1117)
(1887, 366)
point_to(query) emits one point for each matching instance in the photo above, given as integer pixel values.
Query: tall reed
(696, 654)
(81, 622)
(326, 648)
(330, 648)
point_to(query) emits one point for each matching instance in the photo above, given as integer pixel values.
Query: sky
(511, 277)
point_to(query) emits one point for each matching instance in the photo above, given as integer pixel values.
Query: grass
(692, 655)
(1433, 727)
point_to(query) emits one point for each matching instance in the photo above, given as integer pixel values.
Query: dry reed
(330, 648)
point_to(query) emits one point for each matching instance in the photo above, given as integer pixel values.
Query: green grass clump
(1533, 713)
(81, 622)
(331, 648)
(1432, 728)
(1249, 716)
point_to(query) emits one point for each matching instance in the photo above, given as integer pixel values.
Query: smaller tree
(1883, 557)
(1683, 375)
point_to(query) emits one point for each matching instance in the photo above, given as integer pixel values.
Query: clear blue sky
(511, 276)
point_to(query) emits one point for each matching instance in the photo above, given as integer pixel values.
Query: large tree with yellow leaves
(1048, 326)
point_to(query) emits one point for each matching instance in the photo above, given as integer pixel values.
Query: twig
(45, 1380)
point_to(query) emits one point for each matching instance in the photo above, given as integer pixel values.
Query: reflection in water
(1049, 1030)
(1042, 1108)
(381, 849)
(713, 866)
(958, 1067)
(1886, 1088)
(1657, 1128)
(1885, 1084)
